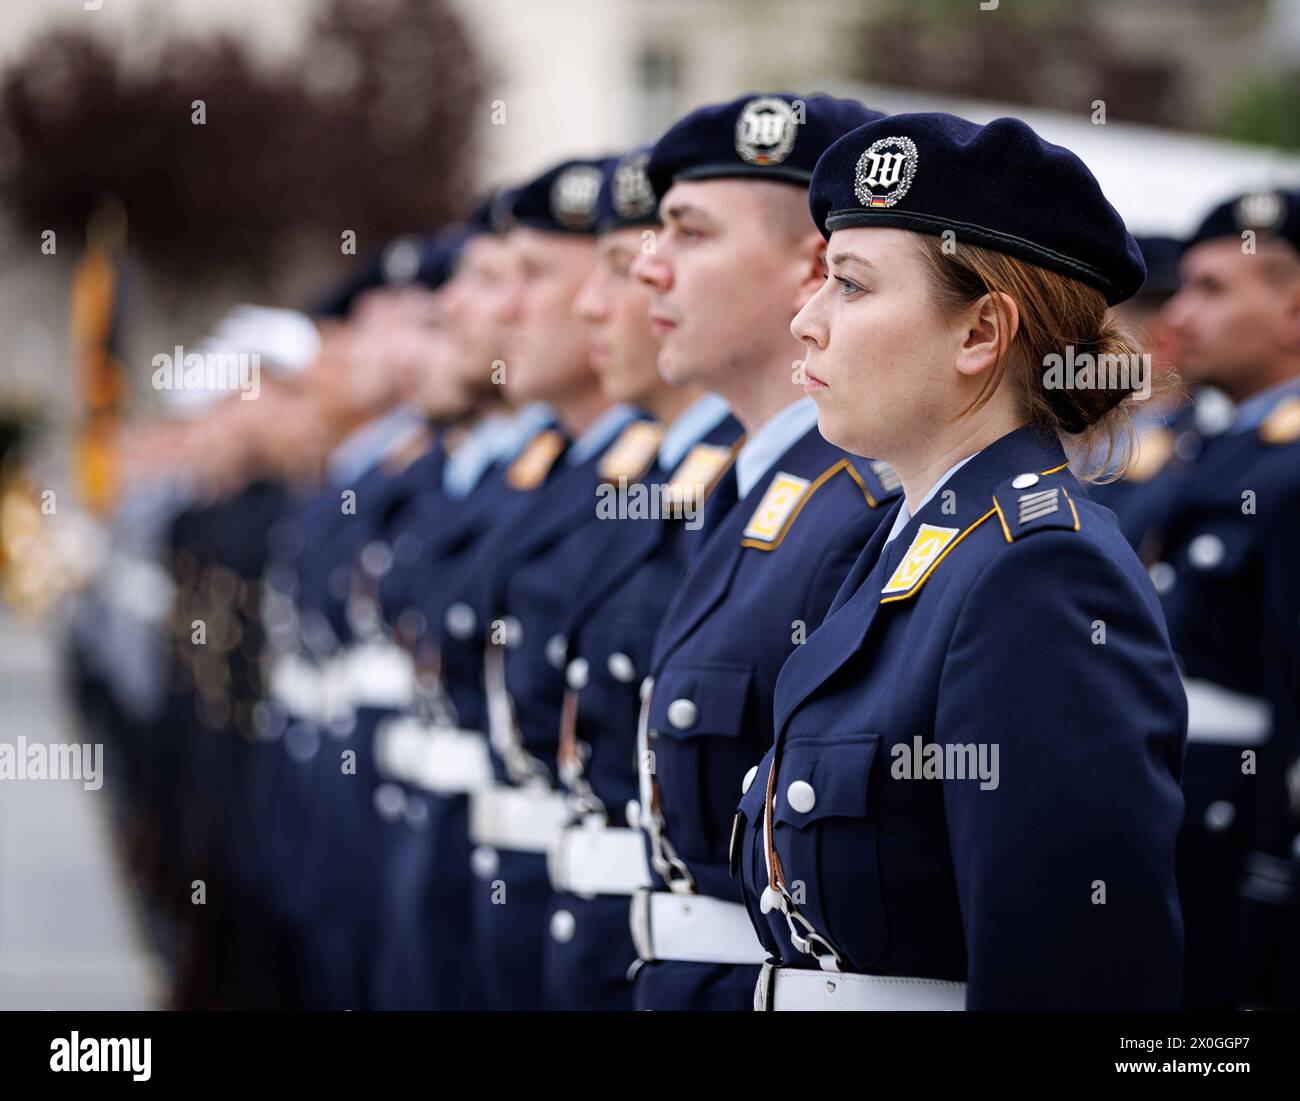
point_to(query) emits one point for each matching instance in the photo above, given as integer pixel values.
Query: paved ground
(71, 936)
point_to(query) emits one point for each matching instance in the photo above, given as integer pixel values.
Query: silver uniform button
(1024, 481)
(461, 620)
(683, 713)
(390, 801)
(556, 647)
(801, 797)
(376, 558)
(632, 813)
(578, 673)
(1219, 816)
(484, 861)
(748, 781)
(1206, 551)
(621, 668)
(1163, 576)
(563, 926)
(512, 631)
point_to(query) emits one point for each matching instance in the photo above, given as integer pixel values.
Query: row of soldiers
(432, 675)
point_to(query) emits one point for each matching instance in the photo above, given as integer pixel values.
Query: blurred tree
(1263, 110)
(369, 127)
(1052, 53)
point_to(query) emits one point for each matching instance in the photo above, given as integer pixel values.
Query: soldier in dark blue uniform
(1232, 617)
(972, 799)
(635, 560)
(437, 751)
(736, 259)
(358, 385)
(1166, 438)
(495, 649)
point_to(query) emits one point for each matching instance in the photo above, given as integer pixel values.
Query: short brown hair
(1056, 311)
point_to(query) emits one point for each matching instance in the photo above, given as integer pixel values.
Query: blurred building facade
(577, 76)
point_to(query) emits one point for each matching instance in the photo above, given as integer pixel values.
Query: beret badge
(766, 130)
(1263, 211)
(573, 196)
(631, 194)
(884, 172)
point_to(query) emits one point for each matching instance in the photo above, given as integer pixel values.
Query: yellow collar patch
(1283, 424)
(529, 470)
(630, 456)
(1153, 451)
(927, 546)
(777, 508)
(696, 474)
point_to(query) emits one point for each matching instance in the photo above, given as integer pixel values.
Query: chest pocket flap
(824, 779)
(702, 700)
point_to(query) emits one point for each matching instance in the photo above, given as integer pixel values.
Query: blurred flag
(100, 374)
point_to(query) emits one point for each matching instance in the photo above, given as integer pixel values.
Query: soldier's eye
(847, 286)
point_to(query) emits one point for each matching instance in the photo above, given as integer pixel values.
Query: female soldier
(972, 799)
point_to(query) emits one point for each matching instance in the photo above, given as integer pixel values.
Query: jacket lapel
(630, 543)
(858, 605)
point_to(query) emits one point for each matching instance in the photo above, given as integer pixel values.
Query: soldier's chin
(674, 368)
(841, 430)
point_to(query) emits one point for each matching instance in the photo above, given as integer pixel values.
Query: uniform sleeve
(1059, 664)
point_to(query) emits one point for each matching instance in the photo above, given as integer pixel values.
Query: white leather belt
(455, 761)
(599, 860)
(376, 674)
(793, 988)
(306, 691)
(520, 819)
(442, 759)
(693, 929)
(1217, 714)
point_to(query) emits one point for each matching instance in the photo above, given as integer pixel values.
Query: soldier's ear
(987, 327)
(811, 257)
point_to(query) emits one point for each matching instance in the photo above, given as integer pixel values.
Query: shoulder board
(698, 473)
(1034, 502)
(878, 479)
(785, 497)
(631, 455)
(1283, 424)
(534, 463)
(1151, 455)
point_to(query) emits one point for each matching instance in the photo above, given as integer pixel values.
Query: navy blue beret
(394, 264)
(1273, 214)
(626, 197)
(1161, 256)
(429, 261)
(440, 254)
(999, 186)
(561, 200)
(765, 137)
(491, 214)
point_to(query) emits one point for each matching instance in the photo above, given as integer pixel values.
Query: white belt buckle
(518, 819)
(590, 860)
